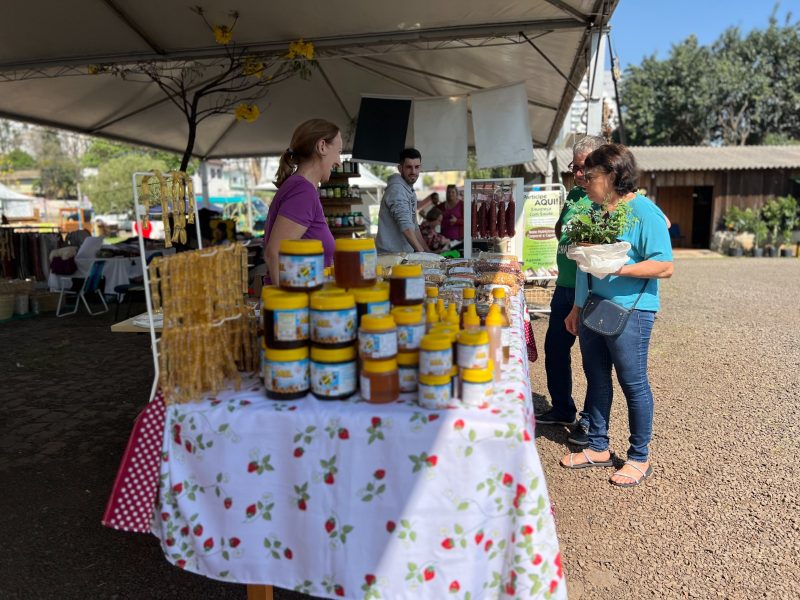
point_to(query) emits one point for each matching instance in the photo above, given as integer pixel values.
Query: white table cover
(356, 500)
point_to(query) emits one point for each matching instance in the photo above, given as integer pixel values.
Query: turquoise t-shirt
(566, 266)
(649, 240)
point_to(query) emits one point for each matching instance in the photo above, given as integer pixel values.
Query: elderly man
(558, 341)
(398, 230)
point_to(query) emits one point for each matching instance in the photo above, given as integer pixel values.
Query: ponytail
(303, 146)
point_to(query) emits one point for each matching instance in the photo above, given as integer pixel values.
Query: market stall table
(358, 500)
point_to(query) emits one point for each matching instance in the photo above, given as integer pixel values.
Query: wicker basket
(44, 302)
(6, 306)
(538, 296)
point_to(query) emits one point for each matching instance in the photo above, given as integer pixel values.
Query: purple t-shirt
(453, 231)
(297, 200)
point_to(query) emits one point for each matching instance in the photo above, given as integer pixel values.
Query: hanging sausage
(474, 224)
(511, 217)
(501, 220)
(482, 212)
(492, 217)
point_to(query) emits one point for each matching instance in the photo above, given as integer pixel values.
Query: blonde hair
(303, 146)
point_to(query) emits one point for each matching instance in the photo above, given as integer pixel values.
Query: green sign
(539, 218)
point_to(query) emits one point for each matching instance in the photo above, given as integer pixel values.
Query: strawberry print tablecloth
(355, 500)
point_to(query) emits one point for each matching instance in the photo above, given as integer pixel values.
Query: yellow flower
(253, 67)
(302, 49)
(246, 112)
(223, 34)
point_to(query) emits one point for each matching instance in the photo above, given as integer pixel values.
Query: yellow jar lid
(268, 290)
(495, 317)
(408, 358)
(403, 271)
(445, 329)
(407, 315)
(301, 247)
(379, 366)
(354, 245)
(435, 342)
(332, 300)
(499, 292)
(434, 379)
(469, 293)
(333, 355)
(285, 300)
(275, 355)
(375, 293)
(432, 292)
(477, 375)
(379, 270)
(475, 337)
(373, 322)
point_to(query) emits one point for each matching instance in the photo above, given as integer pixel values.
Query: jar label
(369, 264)
(415, 288)
(333, 379)
(364, 383)
(473, 357)
(287, 377)
(333, 326)
(304, 271)
(409, 336)
(377, 345)
(435, 362)
(476, 395)
(434, 396)
(408, 379)
(291, 325)
(505, 337)
(378, 308)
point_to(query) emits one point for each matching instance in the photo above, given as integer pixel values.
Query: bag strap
(639, 297)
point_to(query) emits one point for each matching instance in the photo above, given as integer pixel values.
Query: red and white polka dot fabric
(130, 507)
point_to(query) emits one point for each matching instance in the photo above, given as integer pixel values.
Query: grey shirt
(398, 213)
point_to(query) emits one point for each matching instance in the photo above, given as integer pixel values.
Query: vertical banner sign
(539, 244)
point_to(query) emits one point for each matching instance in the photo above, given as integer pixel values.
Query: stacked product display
(338, 198)
(335, 332)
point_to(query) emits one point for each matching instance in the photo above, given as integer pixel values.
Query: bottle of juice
(469, 300)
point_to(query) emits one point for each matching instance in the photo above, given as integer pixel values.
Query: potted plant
(759, 237)
(736, 222)
(771, 216)
(788, 224)
(593, 234)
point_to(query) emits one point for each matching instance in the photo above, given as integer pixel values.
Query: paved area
(719, 519)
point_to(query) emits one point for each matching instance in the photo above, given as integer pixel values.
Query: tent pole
(204, 180)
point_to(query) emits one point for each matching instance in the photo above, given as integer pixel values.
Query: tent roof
(362, 48)
(6, 193)
(689, 158)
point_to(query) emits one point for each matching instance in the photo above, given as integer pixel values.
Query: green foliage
(473, 172)
(780, 218)
(58, 172)
(743, 89)
(382, 171)
(102, 150)
(16, 160)
(111, 191)
(594, 225)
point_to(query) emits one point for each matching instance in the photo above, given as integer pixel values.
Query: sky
(641, 27)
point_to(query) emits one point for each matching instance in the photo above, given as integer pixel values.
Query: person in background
(558, 341)
(397, 219)
(430, 201)
(611, 176)
(435, 240)
(221, 234)
(296, 210)
(453, 215)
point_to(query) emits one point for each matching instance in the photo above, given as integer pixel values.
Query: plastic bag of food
(600, 260)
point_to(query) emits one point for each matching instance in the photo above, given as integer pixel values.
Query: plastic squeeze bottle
(494, 326)
(499, 295)
(452, 315)
(471, 318)
(441, 309)
(431, 316)
(468, 300)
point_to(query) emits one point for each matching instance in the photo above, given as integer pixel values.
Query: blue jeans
(558, 344)
(627, 352)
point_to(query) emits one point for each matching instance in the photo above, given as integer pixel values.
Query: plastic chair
(82, 287)
(675, 235)
(129, 290)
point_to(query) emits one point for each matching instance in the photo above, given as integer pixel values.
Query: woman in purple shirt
(452, 215)
(296, 210)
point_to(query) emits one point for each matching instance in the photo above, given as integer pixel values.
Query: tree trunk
(187, 154)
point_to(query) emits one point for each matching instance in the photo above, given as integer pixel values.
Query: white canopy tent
(14, 204)
(419, 49)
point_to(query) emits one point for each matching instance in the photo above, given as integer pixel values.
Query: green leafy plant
(780, 217)
(592, 224)
(759, 233)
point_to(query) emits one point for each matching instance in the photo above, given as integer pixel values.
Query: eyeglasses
(575, 168)
(589, 175)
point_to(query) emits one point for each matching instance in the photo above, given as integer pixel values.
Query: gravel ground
(720, 517)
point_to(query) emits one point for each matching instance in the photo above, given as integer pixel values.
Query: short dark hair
(409, 153)
(616, 159)
(433, 214)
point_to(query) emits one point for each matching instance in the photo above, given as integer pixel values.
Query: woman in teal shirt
(612, 179)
